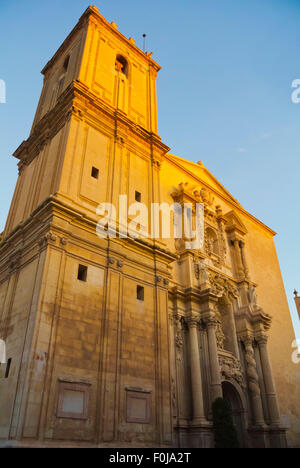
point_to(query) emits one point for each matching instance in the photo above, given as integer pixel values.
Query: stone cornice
(41, 220)
(255, 317)
(101, 20)
(152, 247)
(193, 294)
(46, 129)
(92, 102)
(92, 13)
(77, 100)
(83, 21)
(229, 200)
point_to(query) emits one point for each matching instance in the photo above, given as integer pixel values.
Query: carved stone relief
(231, 369)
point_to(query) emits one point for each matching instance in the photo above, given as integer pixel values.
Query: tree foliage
(224, 430)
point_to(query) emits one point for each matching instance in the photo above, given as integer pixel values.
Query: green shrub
(224, 430)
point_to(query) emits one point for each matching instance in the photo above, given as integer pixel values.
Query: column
(216, 385)
(234, 340)
(253, 382)
(244, 261)
(238, 257)
(269, 383)
(197, 392)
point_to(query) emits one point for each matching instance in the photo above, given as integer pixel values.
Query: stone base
(195, 436)
(277, 436)
(184, 437)
(258, 437)
(267, 437)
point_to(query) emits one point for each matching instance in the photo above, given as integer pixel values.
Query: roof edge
(233, 201)
(94, 11)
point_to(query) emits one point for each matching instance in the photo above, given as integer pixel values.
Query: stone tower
(113, 341)
(63, 306)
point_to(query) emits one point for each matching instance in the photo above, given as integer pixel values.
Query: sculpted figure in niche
(203, 276)
(211, 242)
(252, 296)
(220, 336)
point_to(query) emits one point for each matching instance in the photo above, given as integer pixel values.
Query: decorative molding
(180, 325)
(220, 337)
(221, 286)
(15, 261)
(78, 100)
(231, 369)
(48, 239)
(63, 241)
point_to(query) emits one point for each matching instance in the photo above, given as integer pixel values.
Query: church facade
(128, 341)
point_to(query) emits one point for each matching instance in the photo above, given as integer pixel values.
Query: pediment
(234, 223)
(204, 175)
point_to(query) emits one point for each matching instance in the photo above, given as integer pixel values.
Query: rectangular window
(140, 293)
(66, 63)
(138, 197)
(95, 173)
(73, 400)
(7, 368)
(82, 273)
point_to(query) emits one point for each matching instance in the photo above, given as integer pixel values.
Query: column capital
(228, 299)
(211, 321)
(262, 339)
(209, 298)
(247, 339)
(192, 321)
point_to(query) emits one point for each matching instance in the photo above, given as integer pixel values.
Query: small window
(61, 84)
(138, 197)
(140, 293)
(8, 368)
(121, 65)
(82, 273)
(66, 63)
(95, 173)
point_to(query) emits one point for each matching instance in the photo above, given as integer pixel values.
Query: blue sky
(224, 94)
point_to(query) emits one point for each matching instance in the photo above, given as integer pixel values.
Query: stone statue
(252, 296)
(202, 273)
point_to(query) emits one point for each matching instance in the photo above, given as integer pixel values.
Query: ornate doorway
(232, 396)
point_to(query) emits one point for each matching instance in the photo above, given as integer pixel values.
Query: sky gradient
(224, 94)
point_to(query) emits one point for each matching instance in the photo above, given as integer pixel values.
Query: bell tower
(96, 69)
(80, 315)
